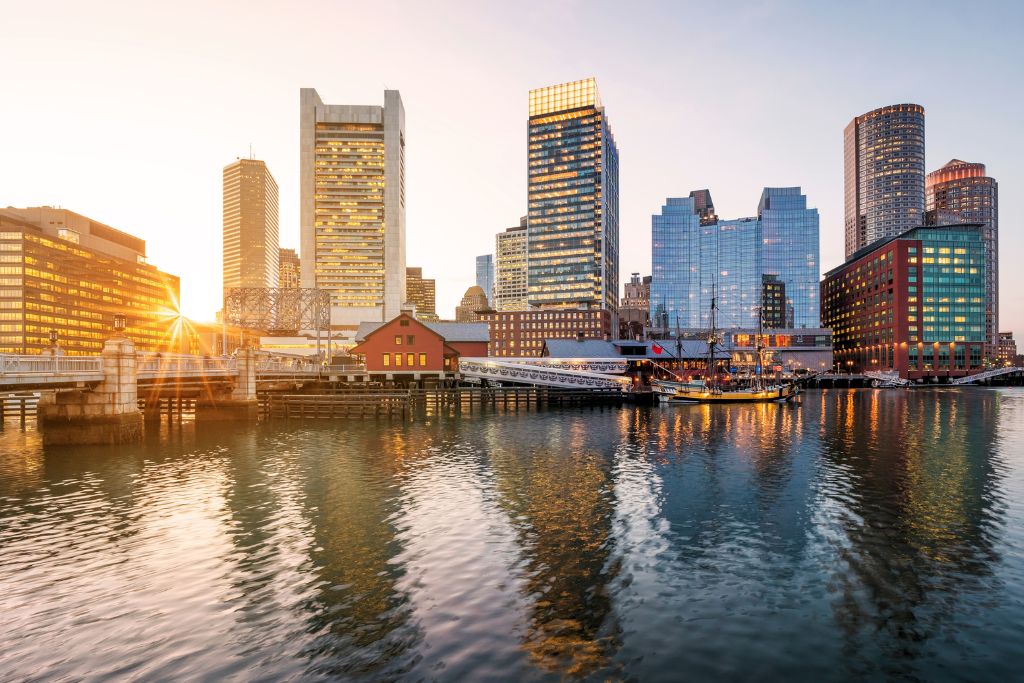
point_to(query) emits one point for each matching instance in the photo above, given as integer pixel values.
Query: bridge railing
(49, 365)
(180, 364)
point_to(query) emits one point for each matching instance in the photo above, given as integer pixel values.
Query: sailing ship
(710, 390)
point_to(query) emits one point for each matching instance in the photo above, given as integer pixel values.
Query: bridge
(589, 373)
(57, 372)
(988, 374)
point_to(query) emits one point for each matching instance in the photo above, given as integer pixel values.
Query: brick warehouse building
(406, 347)
(522, 333)
(914, 303)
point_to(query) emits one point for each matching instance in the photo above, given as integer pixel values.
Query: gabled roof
(451, 332)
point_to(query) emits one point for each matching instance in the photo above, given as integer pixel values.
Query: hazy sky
(127, 112)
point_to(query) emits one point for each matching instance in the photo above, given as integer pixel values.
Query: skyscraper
(288, 269)
(485, 275)
(251, 257)
(697, 256)
(473, 301)
(884, 174)
(961, 192)
(352, 197)
(421, 292)
(510, 274)
(573, 190)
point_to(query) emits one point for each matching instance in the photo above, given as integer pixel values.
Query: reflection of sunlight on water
(864, 534)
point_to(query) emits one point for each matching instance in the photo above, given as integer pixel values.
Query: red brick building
(405, 346)
(914, 304)
(522, 333)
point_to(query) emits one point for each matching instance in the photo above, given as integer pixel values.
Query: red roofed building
(408, 347)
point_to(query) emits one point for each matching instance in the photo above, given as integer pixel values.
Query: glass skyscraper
(573, 227)
(961, 192)
(696, 256)
(485, 275)
(883, 157)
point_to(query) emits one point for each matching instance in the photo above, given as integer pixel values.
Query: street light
(120, 323)
(53, 337)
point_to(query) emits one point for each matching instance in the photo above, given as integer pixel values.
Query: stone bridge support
(107, 414)
(238, 403)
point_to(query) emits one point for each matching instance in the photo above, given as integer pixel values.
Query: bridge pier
(238, 404)
(107, 414)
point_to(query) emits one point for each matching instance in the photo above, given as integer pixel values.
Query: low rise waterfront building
(522, 333)
(411, 348)
(64, 277)
(914, 303)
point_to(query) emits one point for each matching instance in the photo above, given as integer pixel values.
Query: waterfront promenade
(863, 534)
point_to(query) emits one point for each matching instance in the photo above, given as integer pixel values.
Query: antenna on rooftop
(250, 152)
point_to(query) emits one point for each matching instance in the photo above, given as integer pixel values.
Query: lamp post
(120, 324)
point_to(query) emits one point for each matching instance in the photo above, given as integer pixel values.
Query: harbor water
(861, 535)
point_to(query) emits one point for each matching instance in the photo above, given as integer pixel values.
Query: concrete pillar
(107, 414)
(240, 402)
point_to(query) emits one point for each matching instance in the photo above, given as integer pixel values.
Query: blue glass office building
(695, 255)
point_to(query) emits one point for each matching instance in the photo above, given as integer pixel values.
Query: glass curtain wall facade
(485, 275)
(960, 191)
(63, 272)
(352, 201)
(573, 227)
(695, 259)
(884, 172)
(790, 250)
(510, 274)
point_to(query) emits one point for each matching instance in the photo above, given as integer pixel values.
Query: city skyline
(664, 135)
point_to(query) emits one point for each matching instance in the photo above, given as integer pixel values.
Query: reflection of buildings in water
(918, 513)
(555, 485)
(359, 615)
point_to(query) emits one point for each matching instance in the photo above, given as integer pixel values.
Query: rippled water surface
(863, 535)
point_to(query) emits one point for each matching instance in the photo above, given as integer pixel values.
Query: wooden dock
(375, 402)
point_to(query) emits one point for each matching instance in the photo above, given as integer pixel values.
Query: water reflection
(864, 534)
(557, 490)
(917, 519)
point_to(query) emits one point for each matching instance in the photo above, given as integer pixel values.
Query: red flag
(657, 349)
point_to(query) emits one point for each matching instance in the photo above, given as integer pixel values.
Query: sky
(127, 112)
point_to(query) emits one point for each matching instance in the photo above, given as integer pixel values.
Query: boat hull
(775, 394)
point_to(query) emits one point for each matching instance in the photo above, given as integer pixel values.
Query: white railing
(49, 365)
(606, 366)
(178, 365)
(890, 377)
(988, 374)
(539, 375)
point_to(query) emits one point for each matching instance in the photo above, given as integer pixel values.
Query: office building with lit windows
(352, 206)
(961, 192)
(510, 272)
(697, 256)
(485, 275)
(66, 274)
(573, 192)
(522, 333)
(883, 161)
(421, 293)
(288, 269)
(914, 303)
(251, 254)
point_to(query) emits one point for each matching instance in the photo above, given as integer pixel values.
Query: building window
(398, 360)
(387, 359)
(398, 340)
(404, 322)
(410, 339)
(423, 360)
(410, 359)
